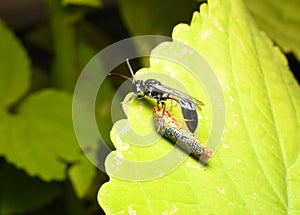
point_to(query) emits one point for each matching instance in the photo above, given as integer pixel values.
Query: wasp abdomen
(191, 117)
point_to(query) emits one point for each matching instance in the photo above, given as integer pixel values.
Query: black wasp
(154, 89)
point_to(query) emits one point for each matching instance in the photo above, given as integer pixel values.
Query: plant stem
(65, 66)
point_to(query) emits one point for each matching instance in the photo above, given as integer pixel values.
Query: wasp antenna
(123, 76)
(130, 69)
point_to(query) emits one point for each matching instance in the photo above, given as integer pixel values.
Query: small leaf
(14, 68)
(255, 168)
(80, 175)
(43, 142)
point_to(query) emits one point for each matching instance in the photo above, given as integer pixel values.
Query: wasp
(154, 89)
(169, 127)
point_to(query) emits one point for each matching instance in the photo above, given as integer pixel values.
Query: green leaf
(280, 20)
(20, 193)
(81, 176)
(40, 137)
(14, 68)
(91, 3)
(255, 169)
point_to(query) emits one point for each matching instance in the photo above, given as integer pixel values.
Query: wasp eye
(138, 89)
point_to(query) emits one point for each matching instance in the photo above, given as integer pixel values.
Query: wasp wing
(180, 97)
(186, 102)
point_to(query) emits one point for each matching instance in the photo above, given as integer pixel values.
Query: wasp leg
(164, 107)
(160, 104)
(172, 105)
(161, 121)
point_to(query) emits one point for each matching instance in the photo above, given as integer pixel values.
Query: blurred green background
(44, 45)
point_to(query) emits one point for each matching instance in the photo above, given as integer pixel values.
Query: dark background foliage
(60, 37)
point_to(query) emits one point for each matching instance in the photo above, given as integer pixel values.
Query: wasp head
(138, 88)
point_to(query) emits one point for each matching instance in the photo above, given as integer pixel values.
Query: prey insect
(169, 127)
(154, 89)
